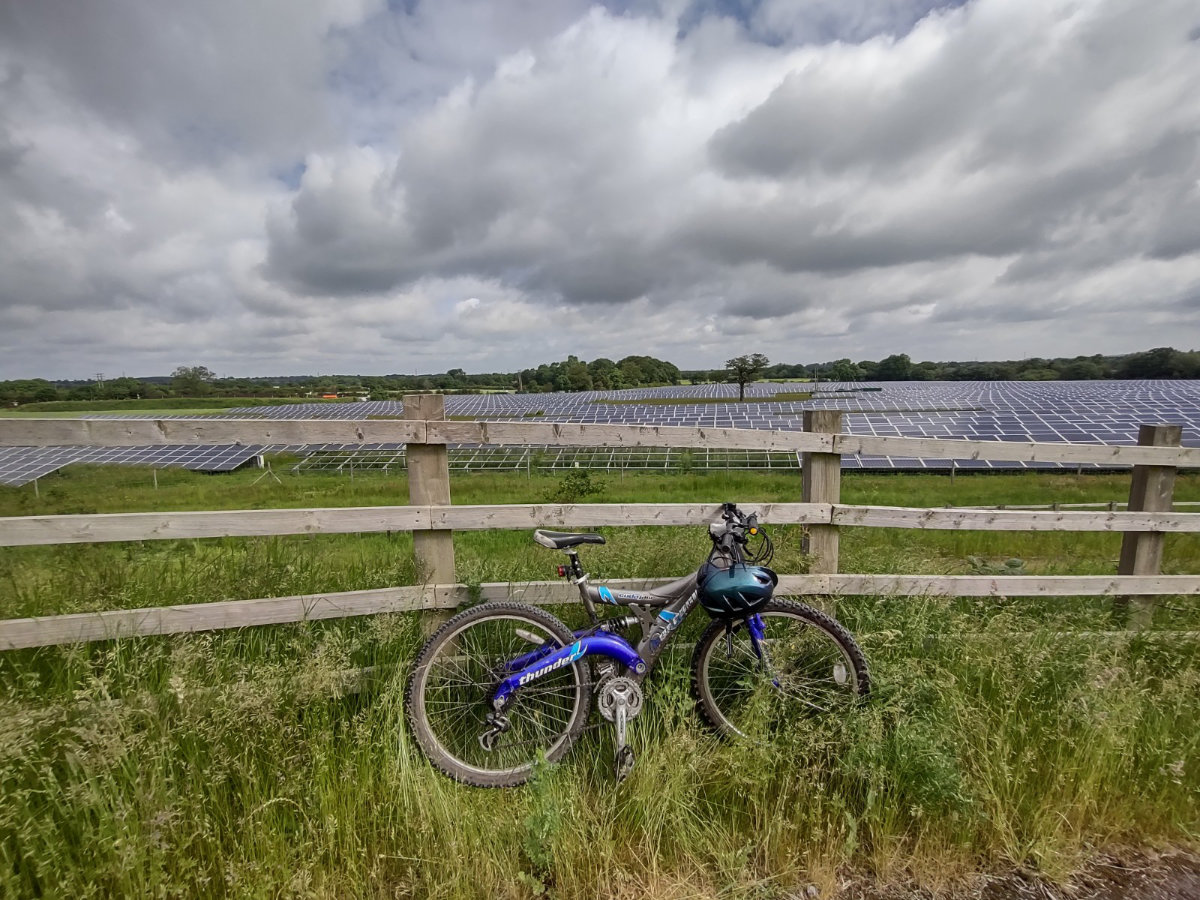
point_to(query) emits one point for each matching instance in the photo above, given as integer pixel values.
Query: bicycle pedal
(624, 763)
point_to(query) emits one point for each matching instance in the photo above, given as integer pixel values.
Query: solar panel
(21, 465)
(1104, 412)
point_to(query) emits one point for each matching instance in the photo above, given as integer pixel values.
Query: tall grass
(218, 765)
(249, 764)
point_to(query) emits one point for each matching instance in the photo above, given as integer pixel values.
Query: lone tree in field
(745, 369)
(192, 381)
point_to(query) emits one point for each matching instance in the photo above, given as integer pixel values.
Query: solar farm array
(1093, 412)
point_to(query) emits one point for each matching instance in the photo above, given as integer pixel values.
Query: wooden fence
(432, 520)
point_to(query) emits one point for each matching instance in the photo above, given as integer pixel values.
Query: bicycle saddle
(561, 540)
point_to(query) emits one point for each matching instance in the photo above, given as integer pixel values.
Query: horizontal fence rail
(103, 527)
(106, 527)
(153, 432)
(45, 631)
(432, 519)
(1012, 519)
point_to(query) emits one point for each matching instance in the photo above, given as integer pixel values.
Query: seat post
(580, 579)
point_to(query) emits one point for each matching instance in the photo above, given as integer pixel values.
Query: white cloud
(326, 186)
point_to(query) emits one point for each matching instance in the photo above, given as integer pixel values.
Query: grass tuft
(275, 761)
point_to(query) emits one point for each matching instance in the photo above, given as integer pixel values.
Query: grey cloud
(988, 94)
(518, 179)
(1177, 233)
(201, 80)
(816, 175)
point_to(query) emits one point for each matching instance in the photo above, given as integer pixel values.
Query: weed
(577, 485)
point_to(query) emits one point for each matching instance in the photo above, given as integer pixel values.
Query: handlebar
(732, 534)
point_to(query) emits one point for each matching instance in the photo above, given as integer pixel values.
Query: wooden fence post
(429, 485)
(1150, 490)
(821, 482)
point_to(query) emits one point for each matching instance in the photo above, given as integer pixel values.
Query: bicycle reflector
(562, 571)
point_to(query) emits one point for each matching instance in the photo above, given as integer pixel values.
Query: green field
(236, 763)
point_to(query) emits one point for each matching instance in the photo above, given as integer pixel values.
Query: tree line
(574, 374)
(1162, 362)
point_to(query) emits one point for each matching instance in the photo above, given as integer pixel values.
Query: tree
(605, 374)
(27, 390)
(843, 370)
(576, 374)
(897, 367)
(120, 389)
(1161, 362)
(745, 369)
(192, 381)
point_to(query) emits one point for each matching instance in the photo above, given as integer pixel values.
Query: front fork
(758, 641)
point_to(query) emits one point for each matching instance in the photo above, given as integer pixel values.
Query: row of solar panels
(1078, 412)
(1095, 398)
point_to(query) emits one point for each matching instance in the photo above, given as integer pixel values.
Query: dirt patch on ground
(1119, 876)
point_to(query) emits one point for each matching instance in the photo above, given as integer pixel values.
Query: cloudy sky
(298, 186)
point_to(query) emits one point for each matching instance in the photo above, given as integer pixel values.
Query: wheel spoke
(810, 669)
(457, 678)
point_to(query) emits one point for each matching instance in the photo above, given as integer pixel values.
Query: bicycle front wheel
(455, 676)
(812, 666)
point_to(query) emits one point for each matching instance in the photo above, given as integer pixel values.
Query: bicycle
(504, 684)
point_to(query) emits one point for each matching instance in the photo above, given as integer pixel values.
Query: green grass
(235, 764)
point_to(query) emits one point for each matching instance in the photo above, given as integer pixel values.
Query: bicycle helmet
(734, 590)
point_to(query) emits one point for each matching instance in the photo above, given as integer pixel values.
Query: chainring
(608, 691)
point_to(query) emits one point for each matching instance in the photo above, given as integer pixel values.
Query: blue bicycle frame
(547, 658)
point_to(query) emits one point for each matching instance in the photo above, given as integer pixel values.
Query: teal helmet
(737, 590)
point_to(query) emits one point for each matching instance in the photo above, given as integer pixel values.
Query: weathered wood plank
(549, 593)
(580, 435)
(50, 630)
(429, 485)
(105, 527)
(1151, 489)
(99, 528)
(821, 482)
(99, 626)
(46, 631)
(998, 586)
(1013, 519)
(219, 432)
(945, 448)
(588, 515)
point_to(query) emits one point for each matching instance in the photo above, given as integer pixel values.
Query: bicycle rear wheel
(453, 681)
(815, 667)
